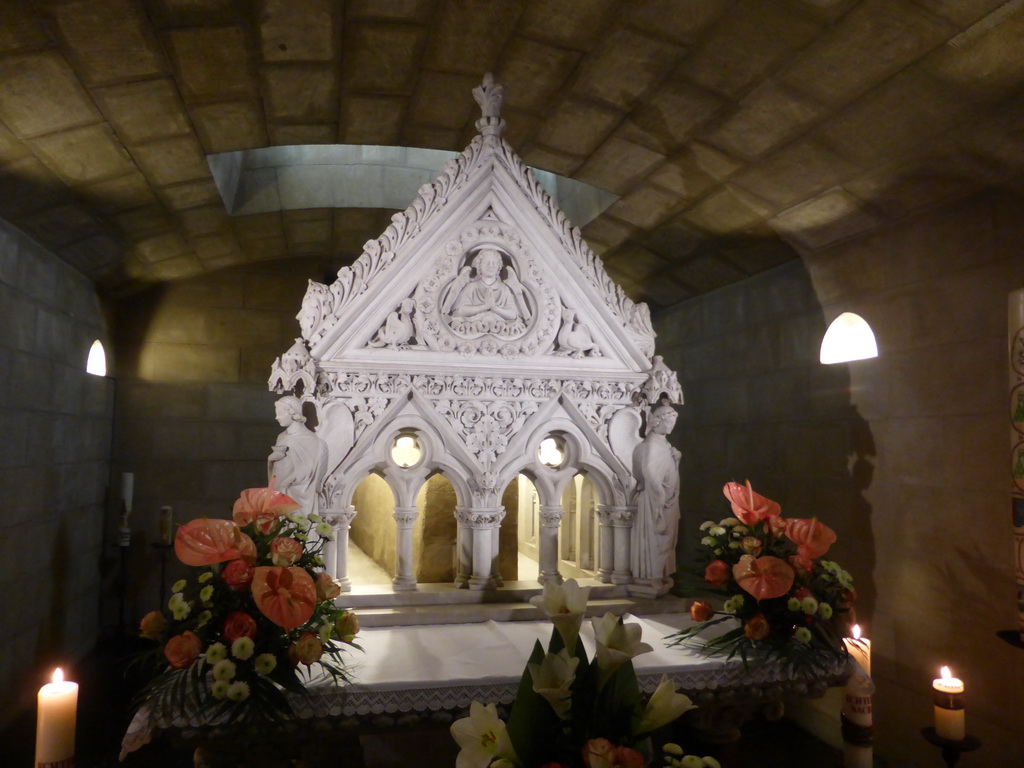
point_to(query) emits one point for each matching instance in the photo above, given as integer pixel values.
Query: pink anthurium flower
(263, 507)
(763, 577)
(812, 538)
(208, 541)
(750, 507)
(286, 596)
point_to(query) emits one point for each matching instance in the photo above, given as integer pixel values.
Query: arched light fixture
(96, 364)
(848, 338)
(550, 453)
(406, 450)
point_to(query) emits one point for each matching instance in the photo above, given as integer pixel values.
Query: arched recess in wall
(848, 338)
(96, 363)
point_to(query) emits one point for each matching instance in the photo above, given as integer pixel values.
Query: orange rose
(701, 610)
(286, 596)
(717, 573)
(239, 624)
(347, 626)
(264, 507)
(181, 650)
(803, 566)
(601, 753)
(205, 541)
(237, 575)
(750, 507)
(763, 577)
(285, 551)
(811, 537)
(308, 649)
(326, 589)
(757, 627)
(153, 625)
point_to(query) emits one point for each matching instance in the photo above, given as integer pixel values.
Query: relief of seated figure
(487, 303)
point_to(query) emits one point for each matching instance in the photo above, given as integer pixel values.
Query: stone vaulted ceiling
(736, 132)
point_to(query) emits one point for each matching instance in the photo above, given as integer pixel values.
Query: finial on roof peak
(490, 95)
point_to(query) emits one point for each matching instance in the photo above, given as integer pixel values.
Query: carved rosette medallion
(486, 296)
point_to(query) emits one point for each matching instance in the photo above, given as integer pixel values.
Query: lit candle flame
(946, 674)
(856, 631)
(58, 675)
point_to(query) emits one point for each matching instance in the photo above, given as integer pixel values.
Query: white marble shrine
(476, 327)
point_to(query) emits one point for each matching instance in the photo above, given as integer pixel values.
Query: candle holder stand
(162, 551)
(951, 750)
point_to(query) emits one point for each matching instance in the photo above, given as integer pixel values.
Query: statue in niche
(298, 461)
(656, 526)
(480, 301)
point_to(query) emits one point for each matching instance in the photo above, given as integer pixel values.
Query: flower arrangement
(788, 601)
(571, 711)
(257, 612)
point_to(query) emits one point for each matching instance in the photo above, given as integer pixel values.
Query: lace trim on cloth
(420, 680)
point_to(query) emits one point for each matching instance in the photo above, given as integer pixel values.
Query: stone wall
(55, 547)
(195, 420)
(905, 456)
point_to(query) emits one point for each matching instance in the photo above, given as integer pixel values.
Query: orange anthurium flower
(763, 577)
(262, 506)
(748, 506)
(286, 596)
(206, 541)
(811, 537)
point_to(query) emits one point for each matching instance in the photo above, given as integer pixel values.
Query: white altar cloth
(444, 667)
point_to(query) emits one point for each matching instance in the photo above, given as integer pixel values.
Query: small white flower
(825, 610)
(315, 518)
(238, 691)
(553, 679)
(205, 576)
(181, 611)
(216, 652)
(809, 606)
(243, 648)
(717, 531)
(219, 689)
(664, 706)
(265, 663)
(179, 585)
(672, 749)
(224, 670)
(325, 531)
(692, 761)
(204, 618)
(729, 521)
(803, 635)
(793, 604)
(206, 593)
(176, 599)
(710, 762)
(734, 545)
(706, 524)
(708, 541)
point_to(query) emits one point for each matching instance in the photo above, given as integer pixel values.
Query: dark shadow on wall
(760, 407)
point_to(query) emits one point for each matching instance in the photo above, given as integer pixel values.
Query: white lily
(617, 642)
(482, 737)
(565, 605)
(664, 706)
(552, 679)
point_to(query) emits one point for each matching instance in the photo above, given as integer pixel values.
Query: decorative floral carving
(486, 427)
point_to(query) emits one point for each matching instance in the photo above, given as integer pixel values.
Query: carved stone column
(484, 522)
(495, 547)
(605, 543)
(336, 556)
(550, 519)
(405, 575)
(464, 547)
(622, 527)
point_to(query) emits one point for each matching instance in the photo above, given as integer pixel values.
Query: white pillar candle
(55, 723)
(948, 694)
(860, 649)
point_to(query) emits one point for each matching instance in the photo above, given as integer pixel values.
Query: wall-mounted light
(96, 364)
(550, 453)
(848, 338)
(406, 450)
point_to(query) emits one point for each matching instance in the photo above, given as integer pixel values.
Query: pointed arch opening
(96, 363)
(848, 338)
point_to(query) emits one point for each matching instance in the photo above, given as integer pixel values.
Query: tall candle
(948, 694)
(860, 649)
(858, 716)
(166, 525)
(55, 724)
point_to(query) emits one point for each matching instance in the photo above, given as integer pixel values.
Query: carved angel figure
(298, 460)
(656, 527)
(486, 303)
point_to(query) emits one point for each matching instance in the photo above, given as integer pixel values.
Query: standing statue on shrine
(298, 461)
(656, 525)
